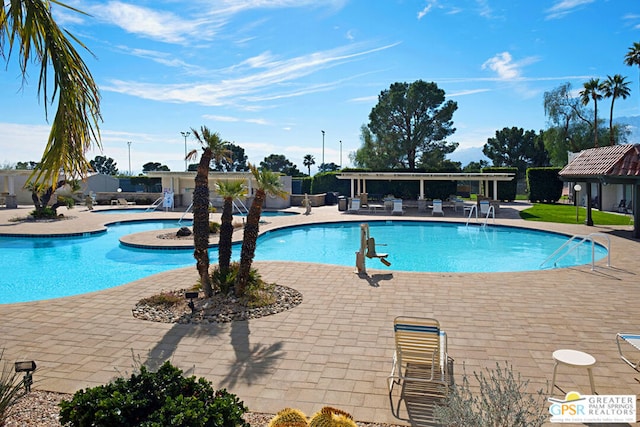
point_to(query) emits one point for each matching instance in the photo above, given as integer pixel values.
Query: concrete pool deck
(336, 347)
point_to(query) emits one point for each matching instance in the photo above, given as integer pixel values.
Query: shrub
(163, 299)
(11, 389)
(44, 213)
(214, 227)
(258, 293)
(154, 399)
(503, 401)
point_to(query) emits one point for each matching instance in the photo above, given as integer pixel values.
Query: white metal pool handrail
(473, 209)
(246, 210)
(491, 211)
(583, 238)
(155, 204)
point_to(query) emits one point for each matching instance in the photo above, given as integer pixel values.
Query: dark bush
(507, 190)
(154, 399)
(544, 184)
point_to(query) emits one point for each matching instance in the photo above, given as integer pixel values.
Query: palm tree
(212, 148)
(615, 87)
(592, 90)
(267, 182)
(633, 57)
(28, 29)
(309, 161)
(228, 190)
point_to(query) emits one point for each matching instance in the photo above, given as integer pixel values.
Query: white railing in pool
(490, 212)
(577, 240)
(155, 204)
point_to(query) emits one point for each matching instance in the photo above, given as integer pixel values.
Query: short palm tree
(268, 182)
(309, 161)
(592, 90)
(228, 190)
(212, 148)
(615, 87)
(27, 28)
(633, 57)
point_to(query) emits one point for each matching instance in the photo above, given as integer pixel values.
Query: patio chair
(484, 207)
(355, 205)
(634, 341)
(420, 356)
(437, 207)
(397, 207)
(123, 202)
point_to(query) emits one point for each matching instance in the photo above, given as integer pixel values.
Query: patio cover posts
(359, 179)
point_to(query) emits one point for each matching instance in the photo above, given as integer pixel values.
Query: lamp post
(322, 164)
(577, 188)
(340, 154)
(129, 144)
(185, 135)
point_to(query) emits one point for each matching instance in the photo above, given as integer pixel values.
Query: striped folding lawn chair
(420, 360)
(632, 340)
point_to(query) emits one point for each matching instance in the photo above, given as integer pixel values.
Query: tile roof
(615, 160)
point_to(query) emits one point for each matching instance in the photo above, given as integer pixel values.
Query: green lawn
(567, 214)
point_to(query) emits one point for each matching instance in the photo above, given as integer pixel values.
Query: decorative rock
(183, 232)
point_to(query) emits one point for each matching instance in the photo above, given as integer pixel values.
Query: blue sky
(270, 75)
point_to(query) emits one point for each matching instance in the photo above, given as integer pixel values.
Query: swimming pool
(143, 210)
(43, 268)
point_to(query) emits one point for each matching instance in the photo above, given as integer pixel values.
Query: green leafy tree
(212, 148)
(267, 182)
(328, 167)
(615, 87)
(104, 165)
(28, 29)
(228, 190)
(154, 166)
(376, 154)
(475, 167)
(280, 164)
(593, 90)
(513, 147)
(30, 165)
(236, 163)
(308, 161)
(409, 120)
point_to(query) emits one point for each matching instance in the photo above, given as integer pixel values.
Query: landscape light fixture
(190, 296)
(577, 189)
(185, 135)
(129, 144)
(26, 366)
(340, 154)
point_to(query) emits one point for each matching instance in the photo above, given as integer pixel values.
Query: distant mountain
(633, 122)
(467, 155)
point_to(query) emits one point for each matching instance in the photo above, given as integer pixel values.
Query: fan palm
(633, 57)
(212, 148)
(27, 27)
(592, 90)
(309, 161)
(615, 87)
(228, 190)
(268, 182)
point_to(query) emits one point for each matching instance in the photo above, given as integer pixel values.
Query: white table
(573, 358)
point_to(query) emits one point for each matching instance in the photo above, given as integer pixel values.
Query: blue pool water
(42, 268)
(142, 210)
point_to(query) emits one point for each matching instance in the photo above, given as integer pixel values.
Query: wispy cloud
(505, 67)
(564, 7)
(468, 92)
(633, 20)
(263, 77)
(425, 11)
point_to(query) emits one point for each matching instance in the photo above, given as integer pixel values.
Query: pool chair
(355, 205)
(484, 207)
(397, 207)
(123, 202)
(632, 340)
(420, 361)
(437, 207)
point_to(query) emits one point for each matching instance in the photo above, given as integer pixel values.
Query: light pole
(185, 135)
(577, 188)
(322, 164)
(129, 144)
(340, 154)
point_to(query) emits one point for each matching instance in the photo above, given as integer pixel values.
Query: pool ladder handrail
(491, 211)
(189, 210)
(155, 204)
(246, 210)
(583, 239)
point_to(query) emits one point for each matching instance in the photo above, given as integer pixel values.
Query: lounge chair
(634, 341)
(437, 207)
(484, 207)
(355, 205)
(397, 207)
(123, 202)
(420, 356)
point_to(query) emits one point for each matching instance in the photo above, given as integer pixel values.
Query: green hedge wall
(544, 184)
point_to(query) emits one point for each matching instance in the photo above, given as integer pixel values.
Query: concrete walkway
(336, 347)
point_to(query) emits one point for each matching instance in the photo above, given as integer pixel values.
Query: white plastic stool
(573, 358)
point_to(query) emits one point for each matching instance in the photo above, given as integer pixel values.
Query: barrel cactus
(289, 417)
(331, 417)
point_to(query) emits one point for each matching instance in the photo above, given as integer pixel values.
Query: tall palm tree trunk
(226, 236)
(201, 222)
(249, 240)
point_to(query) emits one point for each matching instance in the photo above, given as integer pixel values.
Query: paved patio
(336, 347)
